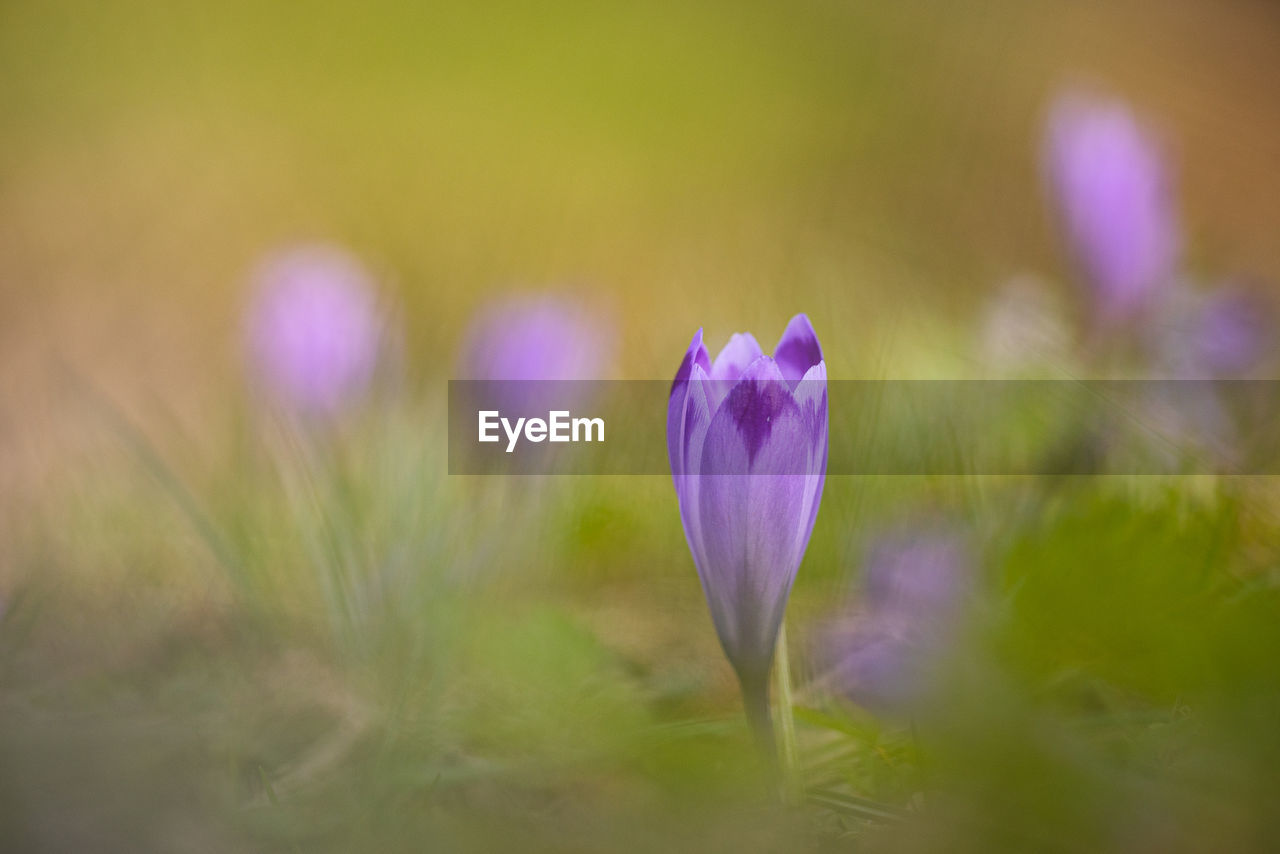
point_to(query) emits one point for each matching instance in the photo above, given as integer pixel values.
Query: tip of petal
(731, 361)
(798, 349)
(817, 372)
(761, 368)
(695, 355)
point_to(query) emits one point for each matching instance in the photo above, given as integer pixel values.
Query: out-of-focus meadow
(222, 631)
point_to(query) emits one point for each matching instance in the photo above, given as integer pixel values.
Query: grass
(313, 642)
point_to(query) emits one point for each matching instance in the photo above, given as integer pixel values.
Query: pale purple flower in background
(315, 330)
(519, 341)
(916, 574)
(878, 664)
(914, 589)
(537, 337)
(1233, 333)
(1227, 333)
(1214, 337)
(1108, 178)
(747, 442)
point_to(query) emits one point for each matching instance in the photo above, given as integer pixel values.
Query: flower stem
(755, 699)
(792, 784)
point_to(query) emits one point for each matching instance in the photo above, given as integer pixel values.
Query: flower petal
(798, 349)
(730, 364)
(733, 360)
(696, 355)
(696, 420)
(811, 397)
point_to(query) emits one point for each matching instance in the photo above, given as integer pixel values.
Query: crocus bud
(1115, 201)
(747, 441)
(314, 330)
(913, 589)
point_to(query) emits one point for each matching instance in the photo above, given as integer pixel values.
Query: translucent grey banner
(891, 427)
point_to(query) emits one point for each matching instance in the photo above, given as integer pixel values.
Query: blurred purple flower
(1232, 333)
(1225, 334)
(878, 665)
(914, 586)
(314, 329)
(536, 337)
(523, 339)
(916, 575)
(1115, 199)
(747, 442)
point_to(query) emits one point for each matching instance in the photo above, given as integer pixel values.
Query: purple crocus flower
(747, 441)
(914, 588)
(1108, 178)
(314, 329)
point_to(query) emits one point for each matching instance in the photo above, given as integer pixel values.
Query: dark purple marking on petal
(758, 398)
